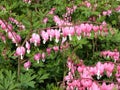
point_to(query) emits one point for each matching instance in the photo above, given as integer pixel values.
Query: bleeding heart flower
(43, 57)
(107, 87)
(69, 77)
(86, 82)
(94, 86)
(71, 32)
(3, 38)
(20, 51)
(51, 33)
(27, 45)
(109, 68)
(57, 36)
(44, 36)
(45, 20)
(78, 32)
(27, 65)
(100, 69)
(80, 68)
(37, 57)
(48, 50)
(35, 39)
(56, 48)
(15, 37)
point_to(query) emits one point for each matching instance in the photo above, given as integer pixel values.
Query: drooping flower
(51, 33)
(48, 50)
(35, 39)
(27, 65)
(20, 51)
(109, 68)
(43, 57)
(44, 36)
(64, 34)
(86, 82)
(14, 37)
(94, 86)
(37, 57)
(57, 36)
(56, 48)
(100, 69)
(107, 87)
(45, 20)
(78, 32)
(27, 45)
(3, 38)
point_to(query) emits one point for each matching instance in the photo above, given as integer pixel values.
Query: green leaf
(45, 76)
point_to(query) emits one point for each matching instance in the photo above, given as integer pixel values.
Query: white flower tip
(108, 56)
(64, 39)
(28, 51)
(16, 44)
(4, 41)
(78, 37)
(37, 61)
(70, 38)
(21, 56)
(43, 60)
(27, 69)
(44, 41)
(50, 38)
(35, 44)
(56, 40)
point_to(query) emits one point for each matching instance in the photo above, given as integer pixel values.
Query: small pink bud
(48, 50)
(43, 57)
(55, 48)
(45, 20)
(3, 38)
(104, 13)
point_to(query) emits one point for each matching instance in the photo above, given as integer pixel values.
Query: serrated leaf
(45, 76)
(31, 84)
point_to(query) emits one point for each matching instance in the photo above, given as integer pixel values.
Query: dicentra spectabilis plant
(57, 45)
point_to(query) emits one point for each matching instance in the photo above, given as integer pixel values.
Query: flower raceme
(5, 26)
(19, 24)
(82, 30)
(85, 78)
(112, 54)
